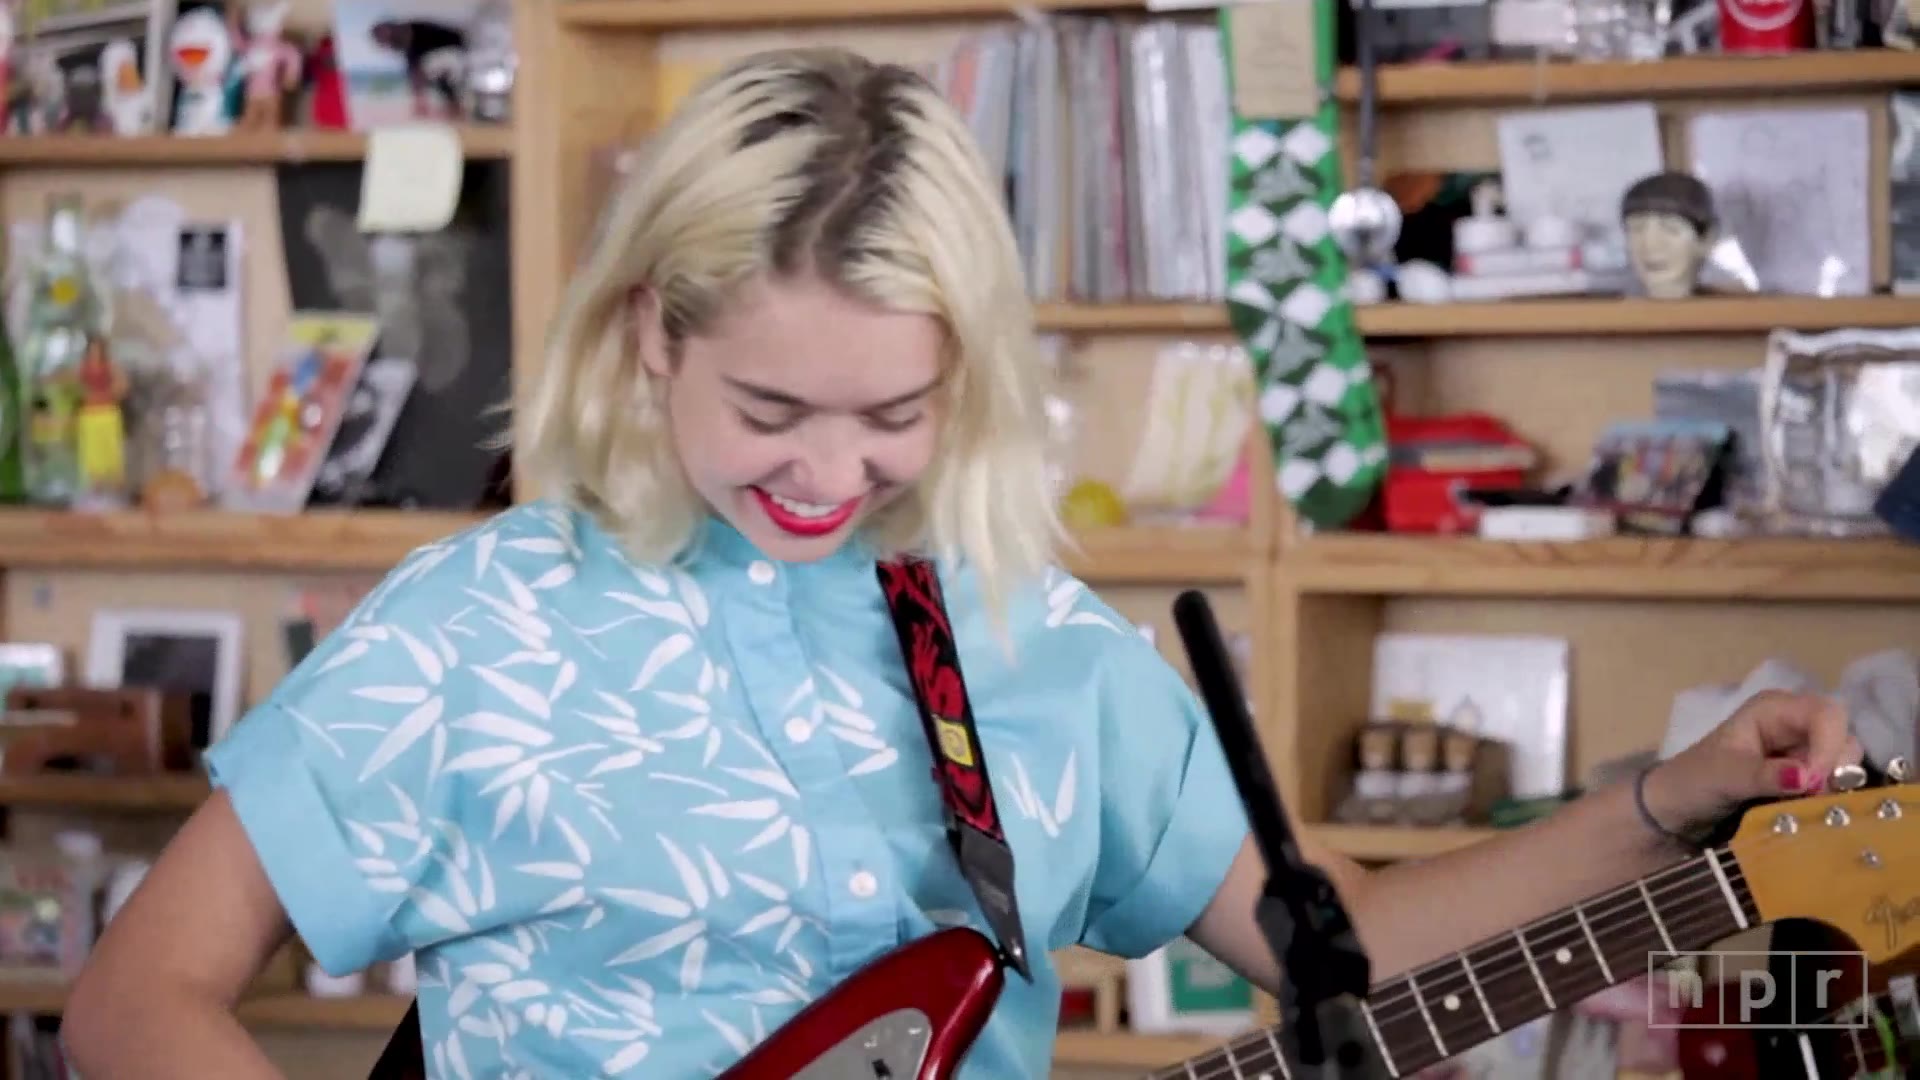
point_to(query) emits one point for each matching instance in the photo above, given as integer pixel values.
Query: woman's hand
(1775, 745)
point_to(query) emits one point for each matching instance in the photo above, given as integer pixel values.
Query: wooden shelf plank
(1589, 316)
(1573, 316)
(1208, 554)
(372, 1012)
(1150, 317)
(375, 540)
(686, 14)
(1616, 567)
(140, 794)
(1390, 843)
(107, 151)
(369, 540)
(382, 1012)
(1568, 80)
(1128, 1050)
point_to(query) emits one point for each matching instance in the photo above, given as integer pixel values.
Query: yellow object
(1091, 504)
(102, 447)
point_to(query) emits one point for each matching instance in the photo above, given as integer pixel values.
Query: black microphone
(1324, 970)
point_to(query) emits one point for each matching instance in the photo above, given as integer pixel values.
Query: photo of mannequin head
(1670, 226)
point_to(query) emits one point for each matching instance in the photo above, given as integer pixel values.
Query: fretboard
(1447, 1007)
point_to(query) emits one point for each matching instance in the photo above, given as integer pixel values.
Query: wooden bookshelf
(1126, 1050)
(183, 151)
(1615, 567)
(1553, 81)
(1203, 554)
(1581, 316)
(125, 794)
(369, 540)
(1391, 843)
(380, 1013)
(689, 14)
(375, 540)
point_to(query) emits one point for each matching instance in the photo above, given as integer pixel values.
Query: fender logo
(953, 742)
(1892, 916)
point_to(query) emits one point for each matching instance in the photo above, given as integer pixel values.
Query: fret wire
(1603, 922)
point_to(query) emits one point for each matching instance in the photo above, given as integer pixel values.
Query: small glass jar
(177, 448)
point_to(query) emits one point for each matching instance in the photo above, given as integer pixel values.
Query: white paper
(1575, 163)
(411, 182)
(1510, 688)
(1791, 190)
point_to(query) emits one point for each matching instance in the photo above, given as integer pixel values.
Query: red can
(1766, 26)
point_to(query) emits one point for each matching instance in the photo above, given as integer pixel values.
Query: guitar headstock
(1849, 858)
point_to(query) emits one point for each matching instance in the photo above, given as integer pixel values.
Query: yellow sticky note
(411, 180)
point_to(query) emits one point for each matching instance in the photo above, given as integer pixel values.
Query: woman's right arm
(155, 1000)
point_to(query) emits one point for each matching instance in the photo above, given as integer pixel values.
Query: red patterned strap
(912, 589)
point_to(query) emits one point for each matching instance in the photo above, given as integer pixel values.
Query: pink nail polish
(1792, 778)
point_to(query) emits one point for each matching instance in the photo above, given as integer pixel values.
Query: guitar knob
(1848, 778)
(1898, 770)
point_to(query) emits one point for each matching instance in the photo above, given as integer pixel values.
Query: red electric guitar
(1849, 859)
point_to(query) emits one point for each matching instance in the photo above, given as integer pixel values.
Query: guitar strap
(920, 619)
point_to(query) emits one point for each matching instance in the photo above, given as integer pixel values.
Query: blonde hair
(792, 163)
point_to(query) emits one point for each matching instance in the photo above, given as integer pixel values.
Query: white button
(760, 573)
(799, 730)
(864, 885)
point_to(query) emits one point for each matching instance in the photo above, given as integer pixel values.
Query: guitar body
(910, 1015)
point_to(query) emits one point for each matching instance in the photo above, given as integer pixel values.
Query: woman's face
(801, 412)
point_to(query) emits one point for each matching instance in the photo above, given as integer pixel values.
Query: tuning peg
(1898, 770)
(1848, 778)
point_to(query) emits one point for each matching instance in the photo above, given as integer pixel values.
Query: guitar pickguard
(890, 1047)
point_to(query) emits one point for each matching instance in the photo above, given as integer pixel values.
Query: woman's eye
(895, 421)
(768, 427)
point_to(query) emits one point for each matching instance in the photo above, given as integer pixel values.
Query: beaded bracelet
(1646, 815)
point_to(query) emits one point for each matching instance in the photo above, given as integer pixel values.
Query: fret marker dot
(1565, 956)
(1451, 1002)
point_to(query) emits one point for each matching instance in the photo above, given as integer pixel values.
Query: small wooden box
(122, 732)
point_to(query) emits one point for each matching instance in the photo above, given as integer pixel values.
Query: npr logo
(1802, 990)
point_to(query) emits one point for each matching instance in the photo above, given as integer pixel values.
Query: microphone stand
(1324, 970)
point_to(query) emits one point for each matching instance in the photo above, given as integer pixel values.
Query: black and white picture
(192, 652)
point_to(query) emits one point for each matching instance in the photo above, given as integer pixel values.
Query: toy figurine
(129, 105)
(328, 99)
(82, 104)
(14, 88)
(201, 51)
(434, 55)
(100, 425)
(269, 65)
(1670, 224)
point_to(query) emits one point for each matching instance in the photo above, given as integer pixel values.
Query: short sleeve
(1171, 820)
(340, 780)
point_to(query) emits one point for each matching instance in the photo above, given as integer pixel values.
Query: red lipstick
(796, 525)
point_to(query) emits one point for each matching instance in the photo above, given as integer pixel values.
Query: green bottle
(13, 416)
(62, 317)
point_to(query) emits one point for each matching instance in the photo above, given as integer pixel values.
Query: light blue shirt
(631, 818)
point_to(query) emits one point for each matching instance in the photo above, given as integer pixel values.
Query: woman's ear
(650, 337)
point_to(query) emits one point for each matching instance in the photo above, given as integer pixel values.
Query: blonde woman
(635, 772)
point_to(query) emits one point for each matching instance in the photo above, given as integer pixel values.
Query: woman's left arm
(1408, 914)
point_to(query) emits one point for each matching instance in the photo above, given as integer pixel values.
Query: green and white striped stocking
(1285, 296)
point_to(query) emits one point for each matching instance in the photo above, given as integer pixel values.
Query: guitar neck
(1447, 1007)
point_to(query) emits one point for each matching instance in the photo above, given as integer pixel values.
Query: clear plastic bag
(1840, 412)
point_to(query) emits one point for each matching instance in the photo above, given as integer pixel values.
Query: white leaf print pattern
(617, 799)
(1051, 815)
(1064, 594)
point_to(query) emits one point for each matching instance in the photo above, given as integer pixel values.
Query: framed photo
(197, 652)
